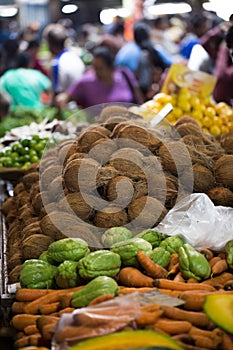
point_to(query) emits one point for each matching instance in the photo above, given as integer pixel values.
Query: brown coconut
(31, 229)
(19, 187)
(66, 151)
(203, 179)
(174, 157)
(146, 212)
(75, 203)
(105, 174)
(110, 216)
(111, 122)
(34, 190)
(90, 136)
(76, 155)
(29, 179)
(14, 274)
(80, 173)
(128, 162)
(113, 110)
(140, 188)
(193, 141)
(56, 189)
(14, 260)
(8, 204)
(120, 189)
(102, 149)
(34, 245)
(186, 119)
(189, 128)
(140, 135)
(223, 170)
(221, 196)
(47, 176)
(226, 142)
(47, 162)
(55, 222)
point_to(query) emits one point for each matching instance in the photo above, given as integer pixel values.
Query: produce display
(81, 236)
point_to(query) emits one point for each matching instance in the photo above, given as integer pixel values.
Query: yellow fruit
(224, 129)
(220, 107)
(184, 105)
(207, 122)
(215, 130)
(177, 112)
(195, 101)
(161, 97)
(210, 112)
(197, 115)
(184, 93)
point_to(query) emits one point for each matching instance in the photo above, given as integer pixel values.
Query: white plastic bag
(200, 222)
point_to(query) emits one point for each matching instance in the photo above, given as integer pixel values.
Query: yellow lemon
(195, 101)
(177, 112)
(162, 97)
(210, 112)
(215, 130)
(207, 122)
(197, 114)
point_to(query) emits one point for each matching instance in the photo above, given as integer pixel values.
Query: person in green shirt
(24, 85)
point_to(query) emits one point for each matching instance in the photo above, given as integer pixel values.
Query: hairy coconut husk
(8, 204)
(221, 196)
(26, 211)
(129, 143)
(48, 208)
(34, 245)
(10, 217)
(55, 222)
(47, 176)
(111, 122)
(34, 167)
(118, 127)
(186, 119)
(157, 186)
(29, 179)
(121, 190)
(102, 150)
(110, 111)
(152, 164)
(146, 211)
(14, 274)
(140, 188)
(31, 229)
(75, 203)
(223, 170)
(79, 175)
(66, 151)
(203, 179)
(111, 216)
(200, 157)
(47, 162)
(226, 142)
(174, 157)
(19, 187)
(76, 155)
(14, 260)
(193, 141)
(38, 202)
(34, 190)
(189, 128)
(56, 189)
(140, 135)
(128, 162)
(90, 136)
(15, 227)
(105, 174)
(23, 198)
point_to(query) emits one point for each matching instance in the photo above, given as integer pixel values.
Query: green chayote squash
(172, 243)
(100, 285)
(68, 249)
(99, 263)
(161, 256)
(67, 275)
(229, 251)
(151, 236)
(114, 235)
(128, 250)
(44, 256)
(193, 264)
(37, 274)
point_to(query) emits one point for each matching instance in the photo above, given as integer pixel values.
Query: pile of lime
(24, 152)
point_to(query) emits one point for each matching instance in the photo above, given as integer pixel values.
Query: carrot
(28, 340)
(219, 267)
(44, 320)
(29, 294)
(216, 335)
(182, 286)
(192, 280)
(172, 327)
(222, 255)
(196, 318)
(132, 277)
(34, 306)
(21, 321)
(47, 309)
(178, 277)
(31, 329)
(150, 307)
(174, 259)
(18, 307)
(204, 342)
(213, 260)
(127, 290)
(172, 293)
(174, 270)
(100, 299)
(47, 331)
(148, 317)
(227, 343)
(67, 310)
(71, 332)
(65, 300)
(228, 285)
(219, 280)
(151, 268)
(208, 253)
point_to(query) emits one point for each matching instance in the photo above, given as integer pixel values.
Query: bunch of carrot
(36, 312)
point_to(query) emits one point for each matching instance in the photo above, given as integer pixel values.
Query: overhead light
(107, 15)
(223, 9)
(71, 8)
(8, 11)
(169, 8)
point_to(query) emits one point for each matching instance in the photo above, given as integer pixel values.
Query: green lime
(25, 142)
(34, 159)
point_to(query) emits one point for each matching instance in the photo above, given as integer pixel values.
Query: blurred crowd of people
(118, 69)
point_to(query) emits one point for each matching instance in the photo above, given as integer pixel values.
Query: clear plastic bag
(199, 222)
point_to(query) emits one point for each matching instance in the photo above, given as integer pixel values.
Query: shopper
(66, 66)
(102, 83)
(23, 84)
(33, 47)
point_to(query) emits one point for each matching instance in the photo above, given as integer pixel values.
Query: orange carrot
(213, 260)
(227, 343)
(100, 299)
(192, 280)
(21, 321)
(31, 329)
(47, 331)
(47, 309)
(219, 267)
(179, 278)
(128, 290)
(132, 277)
(182, 286)
(203, 342)
(174, 259)
(151, 268)
(67, 310)
(196, 318)
(174, 270)
(46, 319)
(29, 294)
(208, 253)
(171, 292)
(18, 307)
(147, 318)
(173, 326)
(228, 285)
(219, 280)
